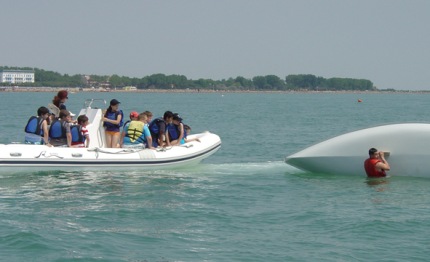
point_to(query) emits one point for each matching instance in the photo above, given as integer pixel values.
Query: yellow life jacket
(135, 130)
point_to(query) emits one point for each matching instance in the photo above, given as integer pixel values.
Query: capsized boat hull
(408, 147)
(23, 157)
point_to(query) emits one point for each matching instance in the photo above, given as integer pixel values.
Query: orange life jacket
(370, 167)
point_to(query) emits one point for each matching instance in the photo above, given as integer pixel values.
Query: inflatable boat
(28, 157)
(406, 147)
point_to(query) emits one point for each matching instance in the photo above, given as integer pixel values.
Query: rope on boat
(163, 149)
(98, 150)
(43, 153)
(124, 151)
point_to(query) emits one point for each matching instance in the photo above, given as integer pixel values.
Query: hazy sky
(385, 41)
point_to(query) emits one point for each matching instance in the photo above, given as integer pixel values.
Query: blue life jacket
(57, 129)
(174, 132)
(76, 131)
(113, 116)
(153, 126)
(34, 125)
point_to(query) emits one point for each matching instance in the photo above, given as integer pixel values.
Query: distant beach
(190, 90)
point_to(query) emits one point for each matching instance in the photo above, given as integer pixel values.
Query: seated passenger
(80, 135)
(175, 131)
(59, 132)
(157, 127)
(136, 134)
(133, 116)
(187, 130)
(149, 116)
(36, 130)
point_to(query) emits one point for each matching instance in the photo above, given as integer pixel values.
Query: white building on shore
(16, 76)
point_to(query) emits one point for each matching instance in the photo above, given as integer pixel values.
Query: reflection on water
(379, 184)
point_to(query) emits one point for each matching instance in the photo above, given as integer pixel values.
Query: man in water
(376, 165)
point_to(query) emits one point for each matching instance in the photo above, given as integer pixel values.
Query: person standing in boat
(59, 103)
(157, 127)
(113, 119)
(376, 165)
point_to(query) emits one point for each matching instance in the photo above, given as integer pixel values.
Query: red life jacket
(370, 167)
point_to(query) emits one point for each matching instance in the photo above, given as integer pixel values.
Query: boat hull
(18, 157)
(407, 146)
(24, 158)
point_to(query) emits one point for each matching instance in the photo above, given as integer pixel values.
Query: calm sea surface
(241, 204)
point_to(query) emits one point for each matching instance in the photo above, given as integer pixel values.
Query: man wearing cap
(136, 134)
(376, 165)
(133, 117)
(113, 119)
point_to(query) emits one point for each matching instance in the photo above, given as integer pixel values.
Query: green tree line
(45, 78)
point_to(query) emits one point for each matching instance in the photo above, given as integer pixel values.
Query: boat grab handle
(15, 154)
(89, 102)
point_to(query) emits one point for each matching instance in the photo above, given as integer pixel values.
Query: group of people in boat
(54, 126)
(143, 131)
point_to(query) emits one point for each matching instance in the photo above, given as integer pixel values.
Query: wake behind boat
(23, 157)
(407, 148)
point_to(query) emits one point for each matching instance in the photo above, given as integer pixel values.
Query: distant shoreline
(78, 90)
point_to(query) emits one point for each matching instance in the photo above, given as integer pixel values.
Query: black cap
(177, 117)
(114, 102)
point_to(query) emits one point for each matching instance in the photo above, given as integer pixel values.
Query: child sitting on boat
(80, 135)
(36, 130)
(187, 129)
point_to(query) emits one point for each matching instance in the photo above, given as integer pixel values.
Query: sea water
(241, 204)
